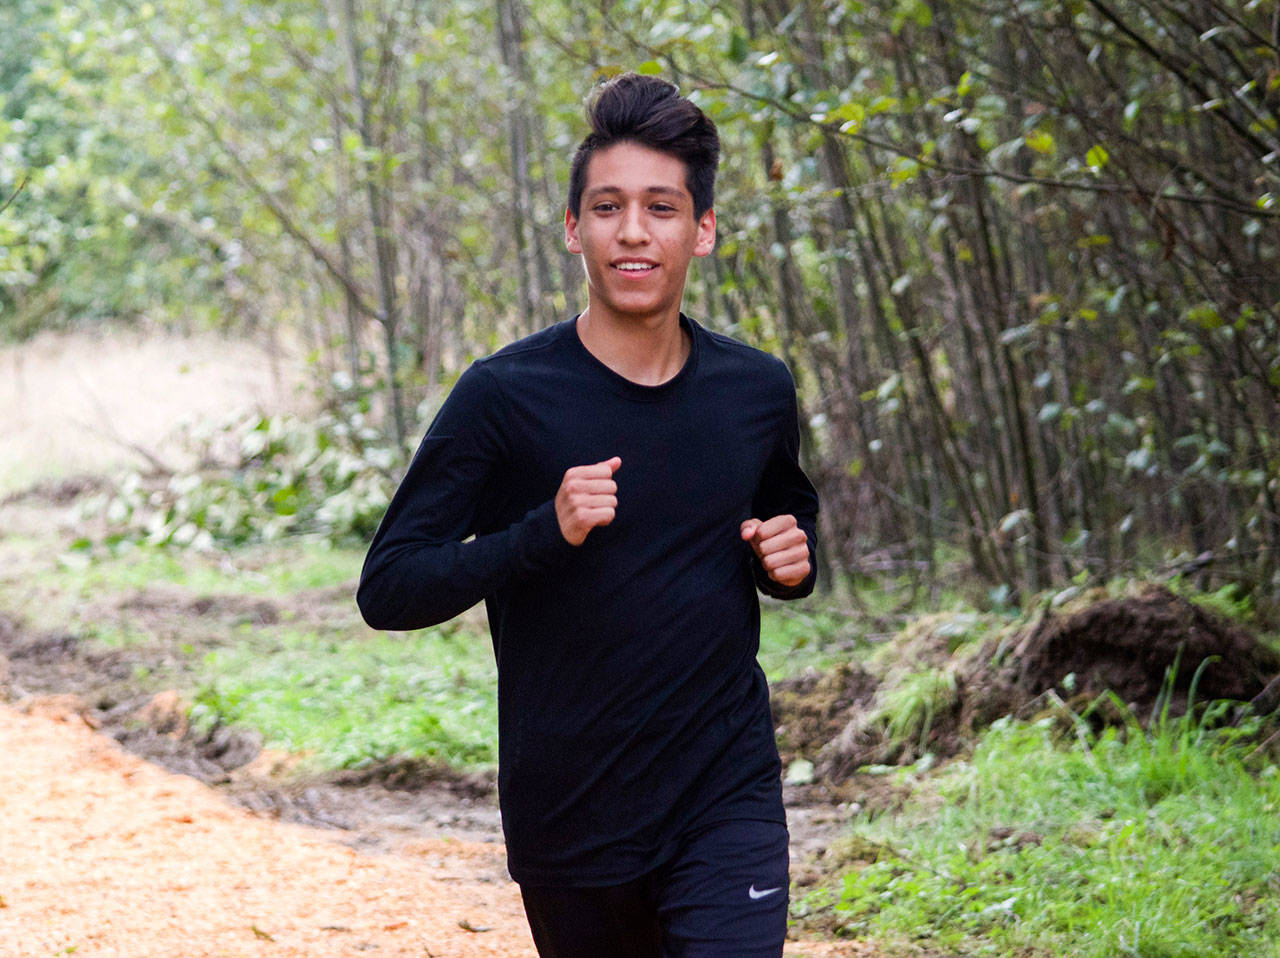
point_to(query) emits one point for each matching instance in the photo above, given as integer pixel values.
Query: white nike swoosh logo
(763, 893)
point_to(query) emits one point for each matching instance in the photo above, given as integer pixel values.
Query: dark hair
(650, 111)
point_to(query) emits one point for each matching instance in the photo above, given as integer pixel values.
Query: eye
(605, 206)
(662, 208)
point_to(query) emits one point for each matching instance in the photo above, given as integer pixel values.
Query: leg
(619, 921)
(725, 895)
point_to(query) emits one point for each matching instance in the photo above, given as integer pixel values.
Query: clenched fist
(587, 498)
(782, 547)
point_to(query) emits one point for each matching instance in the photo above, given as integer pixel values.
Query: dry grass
(95, 402)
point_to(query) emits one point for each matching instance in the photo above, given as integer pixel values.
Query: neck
(648, 353)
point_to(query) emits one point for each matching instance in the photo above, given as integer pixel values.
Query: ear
(706, 239)
(571, 232)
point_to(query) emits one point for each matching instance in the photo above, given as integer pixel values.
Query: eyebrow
(650, 190)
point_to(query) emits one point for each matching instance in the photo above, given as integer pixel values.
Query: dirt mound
(1131, 646)
(1146, 649)
(810, 709)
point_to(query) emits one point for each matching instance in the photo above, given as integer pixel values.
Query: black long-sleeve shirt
(630, 704)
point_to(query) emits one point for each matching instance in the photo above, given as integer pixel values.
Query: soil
(1131, 645)
(377, 807)
(117, 797)
(1113, 660)
(126, 833)
(110, 796)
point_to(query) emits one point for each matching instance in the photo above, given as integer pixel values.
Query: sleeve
(419, 570)
(785, 490)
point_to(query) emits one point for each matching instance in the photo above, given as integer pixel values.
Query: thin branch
(14, 195)
(250, 180)
(989, 172)
(1168, 62)
(1245, 207)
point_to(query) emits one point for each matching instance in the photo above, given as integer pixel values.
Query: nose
(632, 229)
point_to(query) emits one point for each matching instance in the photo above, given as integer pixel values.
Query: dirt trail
(103, 855)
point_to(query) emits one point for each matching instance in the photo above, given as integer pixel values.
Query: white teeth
(634, 267)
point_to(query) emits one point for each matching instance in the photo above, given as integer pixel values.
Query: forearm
(412, 583)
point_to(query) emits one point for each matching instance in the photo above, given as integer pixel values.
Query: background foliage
(1020, 254)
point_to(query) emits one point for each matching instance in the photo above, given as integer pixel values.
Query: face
(636, 233)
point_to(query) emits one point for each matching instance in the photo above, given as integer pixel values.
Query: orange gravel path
(105, 856)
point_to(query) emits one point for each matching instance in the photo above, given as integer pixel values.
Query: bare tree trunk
(342, 181)
(534, 272)
(384, 250)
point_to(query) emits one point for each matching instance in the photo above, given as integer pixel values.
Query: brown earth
(202, 844)
(1122, 659)
(100, 400)
(1132, 645)
(103, 854)
(199, 843)
(180, 848)
(126, 834)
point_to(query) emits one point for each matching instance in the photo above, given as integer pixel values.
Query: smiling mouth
(635, 268)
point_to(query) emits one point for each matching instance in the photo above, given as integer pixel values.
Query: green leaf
(649, 68)
(1096, 239)
(1139, 384)
(1205, 316)
(1131, 110)
(850, 116)
(1097, 157)
(889, 387)
(1139, 459)
(904, 171)
(1041, 141)
(1016, 334)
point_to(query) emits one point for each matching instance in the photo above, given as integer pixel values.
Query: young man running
(615, 488)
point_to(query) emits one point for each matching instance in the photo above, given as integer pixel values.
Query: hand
(782, 547)
(587, 498)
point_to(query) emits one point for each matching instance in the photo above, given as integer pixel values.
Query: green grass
(1146, 844)
(341, 693)
(348, 699)
(908, 709)
(1154, 844)
(801, 635)
(1232, 602)
(269, 571)
(54, 585)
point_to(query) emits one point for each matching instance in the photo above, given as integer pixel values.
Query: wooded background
(1022, 255)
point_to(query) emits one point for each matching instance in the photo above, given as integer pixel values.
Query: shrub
(260, 478)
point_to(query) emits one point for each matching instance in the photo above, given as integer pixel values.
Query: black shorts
(724, 894)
